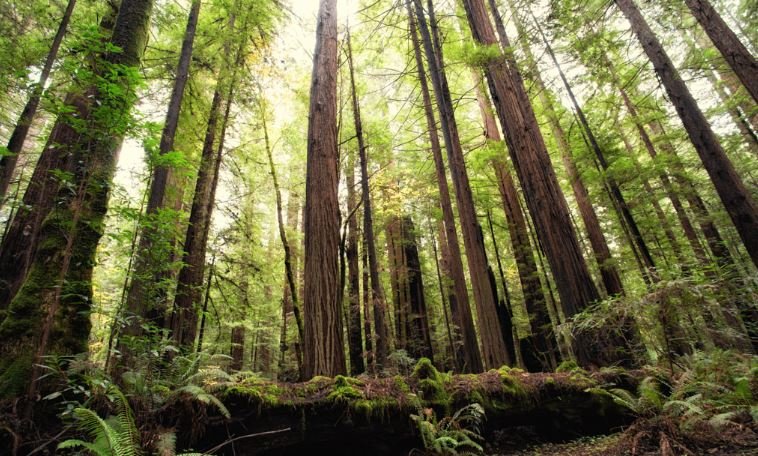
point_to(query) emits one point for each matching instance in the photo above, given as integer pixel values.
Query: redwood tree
(735, 53)
(543, 195)
(323, 350)
(734, 195)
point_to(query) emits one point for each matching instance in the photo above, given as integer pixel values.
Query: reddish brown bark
(734, 195)
(381, 333)
(537, 344)
(323, 338)
(494, 353)
(541, 190)
(735, 53)
(467, 354)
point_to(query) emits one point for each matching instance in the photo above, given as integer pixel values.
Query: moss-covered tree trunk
(50, 313)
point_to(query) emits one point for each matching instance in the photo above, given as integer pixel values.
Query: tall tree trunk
(238, 348)
(494, 353)
(323, 350)
(608, 271)
(735, 53)
(543, 195)
(184, 316)
(418, 335)
(145, 300)
(536, 346)
(467, 355)
(377, 293)
(615, 191)
(736, 199)
(50, 313)
(16, 141)
(293, 209)
(289, 270)
(365, 288)
(355, 342)
(398, 280)
(738, 115)
(446, 291)
(663, 221)
(183, 319)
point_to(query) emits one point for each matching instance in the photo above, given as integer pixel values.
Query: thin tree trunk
(355, 344)
(467, 355)
(183, 319)
(689, 230)
(369, 336)
(377, 293)
(289, 271)
(445, 290)
(736, 199)
(735, 53)
(613, 186)
(144, 299)
(543, 195)
(323, 339)
(419, 334)
(21, 130)
(204, 311)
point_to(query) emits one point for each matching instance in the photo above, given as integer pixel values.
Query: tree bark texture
(323, 349)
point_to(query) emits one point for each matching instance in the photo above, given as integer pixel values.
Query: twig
(223, 444)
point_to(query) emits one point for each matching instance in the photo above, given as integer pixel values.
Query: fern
(201, 395)
(454, 435)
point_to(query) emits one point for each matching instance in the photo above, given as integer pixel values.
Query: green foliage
(118, 435)
(114, 436)
(715, 390)
(458, 434)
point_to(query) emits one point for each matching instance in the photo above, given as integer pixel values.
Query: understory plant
(117, 434)
(711, 400)
(459, 434)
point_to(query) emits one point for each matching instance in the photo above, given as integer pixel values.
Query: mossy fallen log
(345, 415)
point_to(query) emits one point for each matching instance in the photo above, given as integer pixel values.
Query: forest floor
(612, 445)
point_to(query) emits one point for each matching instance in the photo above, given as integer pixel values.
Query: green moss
(400, 384)
(381, 408)
(431, 383)
(344, 390)
(312, 386)
(549, 381)
(14, 375)
(259, 391)
(568, 366)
